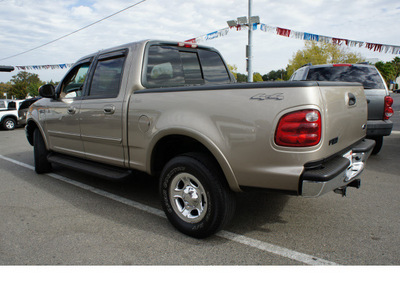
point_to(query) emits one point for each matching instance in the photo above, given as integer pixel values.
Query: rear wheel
(42, 165)
(195, 196)
(9, 124)
(378, 145)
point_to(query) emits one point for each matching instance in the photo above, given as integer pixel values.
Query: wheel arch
(30, 127)
(5, 117)
(163, 150)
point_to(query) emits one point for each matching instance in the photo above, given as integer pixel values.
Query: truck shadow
(254, 210)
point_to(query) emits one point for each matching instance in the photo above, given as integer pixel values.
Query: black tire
(42, 165)
(378, 145)
(203, 203)
(9, 124)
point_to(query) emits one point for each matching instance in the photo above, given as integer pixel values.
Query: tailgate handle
(352, 99)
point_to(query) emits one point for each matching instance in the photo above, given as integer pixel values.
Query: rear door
(101, 110)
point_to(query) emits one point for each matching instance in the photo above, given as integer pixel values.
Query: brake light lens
(187, 45)
(299, 129)
(342, 65)
(388, 108)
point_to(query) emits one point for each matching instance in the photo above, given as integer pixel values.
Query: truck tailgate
(345, 116)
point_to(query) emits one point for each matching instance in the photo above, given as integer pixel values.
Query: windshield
(369, 77)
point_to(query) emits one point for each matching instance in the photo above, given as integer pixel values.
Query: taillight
(388, 108)
(299, 129)
(342, 65)
(187, 45)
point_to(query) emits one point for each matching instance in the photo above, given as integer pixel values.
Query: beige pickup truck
(173, 110)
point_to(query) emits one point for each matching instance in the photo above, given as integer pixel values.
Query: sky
(26, 24)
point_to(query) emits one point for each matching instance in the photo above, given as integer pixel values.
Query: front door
(62, 117)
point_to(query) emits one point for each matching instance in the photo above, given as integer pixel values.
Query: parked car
(376, 91)
(23, 109)
(9, 113)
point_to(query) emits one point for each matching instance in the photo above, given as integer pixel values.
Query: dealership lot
(67, 218)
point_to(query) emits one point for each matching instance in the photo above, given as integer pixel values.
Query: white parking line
(284, 252)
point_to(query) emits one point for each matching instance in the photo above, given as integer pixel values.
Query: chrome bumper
(337, 173)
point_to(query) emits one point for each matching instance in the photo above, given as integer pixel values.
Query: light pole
(248, 21)
(250, 46)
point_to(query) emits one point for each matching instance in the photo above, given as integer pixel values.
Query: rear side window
(213, 67)
(107, 77)
(169, 66)
(369, 77)
(299, 74)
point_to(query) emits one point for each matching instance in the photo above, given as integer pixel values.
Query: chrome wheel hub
(10, 125)
(188, 198)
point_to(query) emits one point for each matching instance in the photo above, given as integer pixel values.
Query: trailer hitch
(342, 190)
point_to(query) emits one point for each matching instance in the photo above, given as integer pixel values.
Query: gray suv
(376, 92)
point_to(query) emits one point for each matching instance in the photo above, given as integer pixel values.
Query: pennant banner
(390, 49)
(209, 36)
(44, 67)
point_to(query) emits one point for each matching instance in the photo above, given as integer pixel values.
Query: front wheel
(195, 196)
(42, 165)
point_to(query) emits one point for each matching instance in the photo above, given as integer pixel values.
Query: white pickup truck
(9, 113)
(173, 110)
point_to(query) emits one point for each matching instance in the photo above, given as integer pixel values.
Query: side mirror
(47, 91)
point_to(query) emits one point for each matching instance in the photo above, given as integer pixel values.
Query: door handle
(109, 109)
(71, 110)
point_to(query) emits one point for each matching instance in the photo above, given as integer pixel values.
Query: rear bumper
(379, 128)
(337, 172)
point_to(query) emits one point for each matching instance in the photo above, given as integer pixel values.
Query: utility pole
(249, 47)
(247, 21)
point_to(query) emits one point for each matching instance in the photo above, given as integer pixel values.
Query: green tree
(387, 70)
(241, 77)
(276, 75)
(396, 65)
(321, 53)
(5, 88)
(233, 69)
(257, 77)
(24, 84)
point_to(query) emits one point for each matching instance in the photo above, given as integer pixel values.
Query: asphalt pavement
(67, 218)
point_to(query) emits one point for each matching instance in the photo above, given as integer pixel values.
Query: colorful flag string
(44, 67)
(390, 49)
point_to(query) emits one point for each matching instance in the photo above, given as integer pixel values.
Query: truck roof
(142, 43)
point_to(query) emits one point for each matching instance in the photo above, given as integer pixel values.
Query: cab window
(213, 67)
(164, 67)
(107, 77)
(72, 86)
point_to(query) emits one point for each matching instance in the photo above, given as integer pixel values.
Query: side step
(89, 167)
